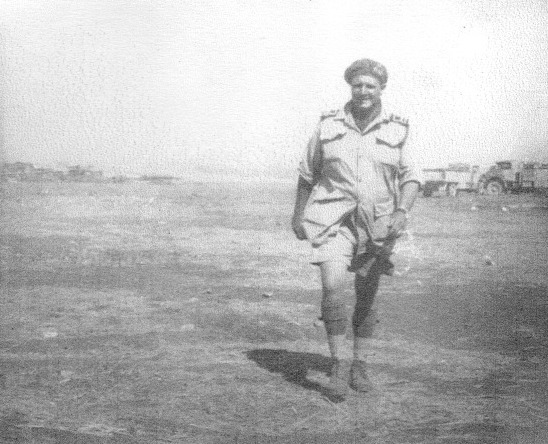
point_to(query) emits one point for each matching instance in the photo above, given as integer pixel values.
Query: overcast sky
(183, 86)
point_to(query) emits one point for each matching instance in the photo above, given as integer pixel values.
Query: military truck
(503, 177)
(452, 180)
(514, 176)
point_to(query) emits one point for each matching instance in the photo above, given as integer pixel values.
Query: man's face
(366, 92)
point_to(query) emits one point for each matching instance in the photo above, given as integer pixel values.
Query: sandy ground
(138, 313)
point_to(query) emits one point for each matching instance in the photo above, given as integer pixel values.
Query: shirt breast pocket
(387, 148)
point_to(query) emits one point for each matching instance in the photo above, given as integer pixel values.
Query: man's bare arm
(408, 194)
(303, 193)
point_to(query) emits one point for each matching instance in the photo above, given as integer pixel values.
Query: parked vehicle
(505, 176)
(515, 176)
(452, 180)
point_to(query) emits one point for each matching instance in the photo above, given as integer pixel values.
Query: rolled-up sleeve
(310, 164)
(409, 169)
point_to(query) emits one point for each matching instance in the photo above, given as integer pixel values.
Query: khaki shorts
(341, 246)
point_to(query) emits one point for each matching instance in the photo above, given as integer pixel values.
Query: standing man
(357, 184)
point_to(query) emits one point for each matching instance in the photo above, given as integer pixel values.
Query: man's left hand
(397, 224)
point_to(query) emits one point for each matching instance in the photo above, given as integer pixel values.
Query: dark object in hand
(378, 259)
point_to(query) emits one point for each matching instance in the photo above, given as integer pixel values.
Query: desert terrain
(185, 313)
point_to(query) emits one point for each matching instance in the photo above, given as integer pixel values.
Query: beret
(366, 67)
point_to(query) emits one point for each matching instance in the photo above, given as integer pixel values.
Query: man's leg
(363, 322)
(335, 318)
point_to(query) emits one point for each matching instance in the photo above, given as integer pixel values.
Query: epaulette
(401, 120)
(327, 114)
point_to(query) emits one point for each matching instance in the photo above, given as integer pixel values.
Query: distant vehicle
(503, 177)
(515, 176)
(452, 180)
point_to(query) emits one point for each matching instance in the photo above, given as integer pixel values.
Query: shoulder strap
(398, 119)
(327, 114)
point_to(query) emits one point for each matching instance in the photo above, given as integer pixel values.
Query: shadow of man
(294, 366)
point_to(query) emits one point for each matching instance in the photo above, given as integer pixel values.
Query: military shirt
(356, 173)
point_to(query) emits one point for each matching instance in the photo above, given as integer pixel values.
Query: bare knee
(334, 276)
(334, 311)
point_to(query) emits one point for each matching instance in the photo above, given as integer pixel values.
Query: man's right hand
(297, 225)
